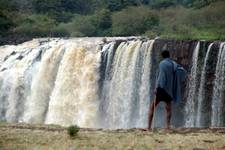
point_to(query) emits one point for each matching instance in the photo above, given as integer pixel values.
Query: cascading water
(94, 82)
(126, 88)
(50, 81)
(218, 103)
(73, 99)
(190, 106)
(15, 82)
(201, 94)
(42, 86)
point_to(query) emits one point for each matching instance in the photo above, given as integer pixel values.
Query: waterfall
(201, 94)
(218, 103)
(51, 81)
(127, 84)
(14, 82)
(73, 99)
(102, 82)
(190, 106)
(43, 84)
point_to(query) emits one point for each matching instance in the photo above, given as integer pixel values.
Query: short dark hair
(165, 54)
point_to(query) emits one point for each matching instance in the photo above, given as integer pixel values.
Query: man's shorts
(162, 95)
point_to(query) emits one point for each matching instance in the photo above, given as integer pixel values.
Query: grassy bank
(22, 137)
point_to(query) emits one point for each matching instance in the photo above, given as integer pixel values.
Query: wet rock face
(13, 40)
(181, 51)
(210, 77)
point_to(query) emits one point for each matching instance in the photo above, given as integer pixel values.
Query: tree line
(179, 19)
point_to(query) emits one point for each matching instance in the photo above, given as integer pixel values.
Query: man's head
(165, 54)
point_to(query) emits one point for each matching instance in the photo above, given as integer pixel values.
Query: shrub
(60, 30)
(114, 5)
(79, 26)
(103, 22)
(5, 23)
(102, 19)
(73, 130)
(35, 25)
(98, 24)
(133, 21)
(151, 34)
(163, 3)
(186, 23)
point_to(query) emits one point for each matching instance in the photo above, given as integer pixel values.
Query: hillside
(170, 19)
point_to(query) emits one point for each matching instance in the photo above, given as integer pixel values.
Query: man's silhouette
(164, 87)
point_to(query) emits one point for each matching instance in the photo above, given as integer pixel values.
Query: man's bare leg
(151, 112)
(168, 114)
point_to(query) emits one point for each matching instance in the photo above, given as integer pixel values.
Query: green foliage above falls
(98, 24)
(35, 25)
(173, 19)
(5, 24)
(133, 21)
(190, 23)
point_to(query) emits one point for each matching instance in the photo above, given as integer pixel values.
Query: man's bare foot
(168, 127)
(146, 129)
(150, 129)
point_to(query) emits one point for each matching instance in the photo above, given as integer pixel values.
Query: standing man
(164, 87)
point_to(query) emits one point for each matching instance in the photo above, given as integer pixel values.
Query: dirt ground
(42, 137)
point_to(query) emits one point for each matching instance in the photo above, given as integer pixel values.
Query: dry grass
(40, 137)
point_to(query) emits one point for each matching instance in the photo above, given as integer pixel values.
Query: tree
(201, 3)
(133, 21)
(98, 24)
(114, 5)
(78, 6)
(163, 3)
(6, 22)
(46, 6)
(79, 26)
(35, 25)
(103, 21)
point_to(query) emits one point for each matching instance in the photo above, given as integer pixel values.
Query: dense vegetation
(173, 19)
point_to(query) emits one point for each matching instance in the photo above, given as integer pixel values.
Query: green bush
(98, 24)
(162, 3)
(103, 22)
(60, 31)
(73, 130)
(5, 24)
(35, 25)
(187, 23)
(151, 34)
(114, 5)
(102, 19)
(79, 26)
(133, 21)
